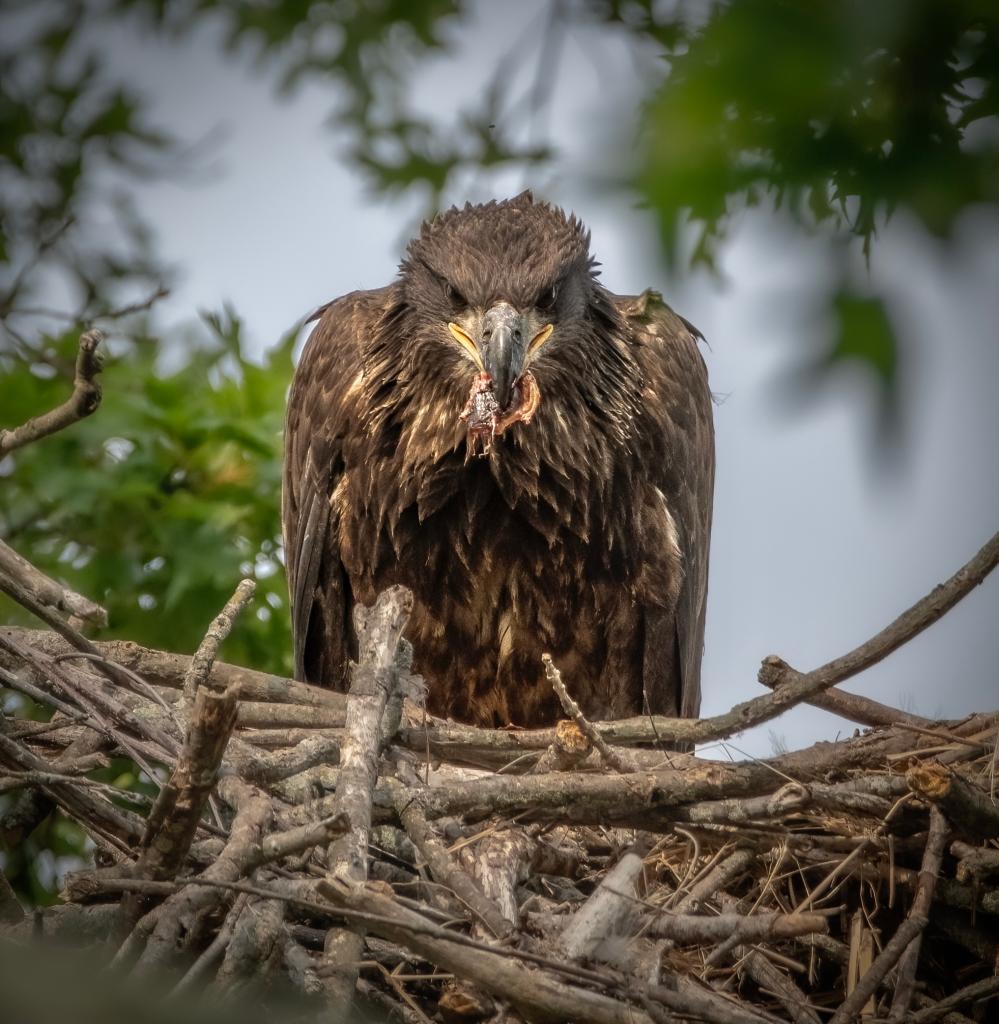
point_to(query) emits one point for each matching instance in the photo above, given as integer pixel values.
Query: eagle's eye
(457, 300)
(546, 299)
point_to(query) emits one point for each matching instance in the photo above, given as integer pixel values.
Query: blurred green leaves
(842, 113)
(160, 503)
(839, 114)
(863, 332)
(859, 336)
(366, 55)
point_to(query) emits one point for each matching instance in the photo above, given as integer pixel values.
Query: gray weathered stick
(763, 927)
(610, 911)
(444, 868)
(373, 680)
(758, 967)
(499, 862)
(166, 669)
(174, 819)
(181, 917)
(905, 986)
(853, 706)
(258, 937)
(537, 994)
(619, 761)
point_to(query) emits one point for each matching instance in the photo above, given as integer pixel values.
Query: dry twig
(84, 400)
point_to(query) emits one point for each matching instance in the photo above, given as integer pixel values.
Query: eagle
(530, 454)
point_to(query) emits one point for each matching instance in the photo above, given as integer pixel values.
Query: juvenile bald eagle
(531, 455)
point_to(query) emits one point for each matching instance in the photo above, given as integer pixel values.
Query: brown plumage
(531, 455)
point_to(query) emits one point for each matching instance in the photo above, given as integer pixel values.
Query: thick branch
(765, 927)
(181, 917)
(853, 706)
(164, 668)
(444, 868)
(610, 911)
(535, 993)
(647, 800)
(974, 862)
(966, 806)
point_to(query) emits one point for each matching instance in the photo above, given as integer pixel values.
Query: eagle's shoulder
(325, 390)
(648, 314)
(341, 327)
(667, 350)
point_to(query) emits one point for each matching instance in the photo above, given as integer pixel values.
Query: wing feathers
(321, 406)
(313, 524)
(682, 466)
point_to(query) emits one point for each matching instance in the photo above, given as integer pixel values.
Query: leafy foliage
(844, 113)
(161, 502)
(838, 114)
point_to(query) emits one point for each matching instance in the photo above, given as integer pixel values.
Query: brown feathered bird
(531, 455)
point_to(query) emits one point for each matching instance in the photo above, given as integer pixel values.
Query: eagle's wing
(322, 406)
(682, 468)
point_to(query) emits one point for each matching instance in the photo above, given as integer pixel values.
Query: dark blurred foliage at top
(836, 115)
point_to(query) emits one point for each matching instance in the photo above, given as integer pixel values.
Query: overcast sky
(816, 545)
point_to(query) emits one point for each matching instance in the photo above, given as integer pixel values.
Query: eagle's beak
(504, 347)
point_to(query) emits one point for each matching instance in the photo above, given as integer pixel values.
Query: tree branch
(47, 591)
(84, 400)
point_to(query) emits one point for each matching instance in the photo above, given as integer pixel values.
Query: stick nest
(364, 854)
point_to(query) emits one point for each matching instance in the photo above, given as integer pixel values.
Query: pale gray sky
(815, 545)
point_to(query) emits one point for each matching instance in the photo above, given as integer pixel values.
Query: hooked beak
(503, 346)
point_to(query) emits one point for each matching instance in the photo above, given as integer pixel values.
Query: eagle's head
(500, 291)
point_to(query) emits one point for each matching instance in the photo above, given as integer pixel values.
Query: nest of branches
(367, 855)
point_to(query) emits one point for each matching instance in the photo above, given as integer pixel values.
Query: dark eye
(546, 300)
(454, 296)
